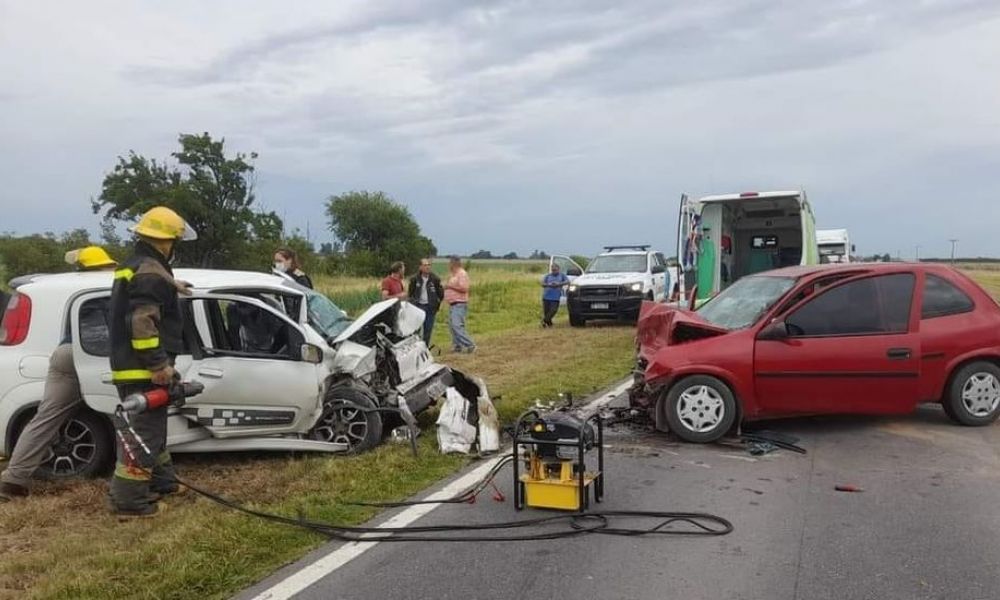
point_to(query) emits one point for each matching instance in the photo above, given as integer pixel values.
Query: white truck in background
(834, 246)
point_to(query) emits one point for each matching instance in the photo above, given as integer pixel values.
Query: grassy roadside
(62, 544)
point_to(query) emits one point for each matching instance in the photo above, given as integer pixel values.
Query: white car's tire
(349, 418)
(85, 448)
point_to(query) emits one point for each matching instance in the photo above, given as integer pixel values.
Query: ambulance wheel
(700, 409)
(348, 419)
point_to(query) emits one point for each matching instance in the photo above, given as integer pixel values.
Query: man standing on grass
(456, 294)
(392, 285)
(427, 292)
(552, 286)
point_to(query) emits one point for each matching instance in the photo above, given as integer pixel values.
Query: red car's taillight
(15, 320)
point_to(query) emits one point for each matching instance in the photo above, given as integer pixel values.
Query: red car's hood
(661, 325)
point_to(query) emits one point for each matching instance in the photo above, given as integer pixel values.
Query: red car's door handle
(899, 353)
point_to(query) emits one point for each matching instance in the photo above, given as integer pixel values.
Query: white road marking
(608, 398)
(311, 574)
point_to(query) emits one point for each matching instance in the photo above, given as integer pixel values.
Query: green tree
(375, 231)
(214, 193)
(35, 254)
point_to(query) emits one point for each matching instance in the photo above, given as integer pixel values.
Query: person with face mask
(287, 261)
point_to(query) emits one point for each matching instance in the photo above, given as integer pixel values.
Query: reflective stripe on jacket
(145, 328)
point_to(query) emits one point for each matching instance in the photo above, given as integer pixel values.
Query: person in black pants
(552, 284)
(426, 292)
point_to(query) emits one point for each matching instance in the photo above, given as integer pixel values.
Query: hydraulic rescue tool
(176, 394)
(555, 447)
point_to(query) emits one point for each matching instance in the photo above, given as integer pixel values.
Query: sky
(513, 126)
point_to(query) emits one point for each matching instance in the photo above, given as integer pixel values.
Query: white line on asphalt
(310, 574)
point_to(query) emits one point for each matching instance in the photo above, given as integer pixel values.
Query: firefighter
(61, 397)
(146, 334)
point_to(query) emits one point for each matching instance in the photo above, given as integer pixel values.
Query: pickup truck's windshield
(741, 304)
(618, 263)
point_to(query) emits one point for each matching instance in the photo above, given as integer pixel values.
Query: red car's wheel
(700, 408)
(974, 394)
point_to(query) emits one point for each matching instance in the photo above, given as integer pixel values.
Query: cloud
(516, 115)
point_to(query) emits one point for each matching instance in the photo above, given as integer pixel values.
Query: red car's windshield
(741, 304)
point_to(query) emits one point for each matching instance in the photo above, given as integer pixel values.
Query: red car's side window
(941, 298)
(869, 306)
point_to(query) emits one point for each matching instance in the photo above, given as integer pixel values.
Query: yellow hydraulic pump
(555, 448)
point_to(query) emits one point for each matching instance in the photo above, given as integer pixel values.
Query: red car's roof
(800, 271)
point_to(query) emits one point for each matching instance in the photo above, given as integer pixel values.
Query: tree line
(216, 193)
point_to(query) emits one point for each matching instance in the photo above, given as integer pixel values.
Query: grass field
(63, 544)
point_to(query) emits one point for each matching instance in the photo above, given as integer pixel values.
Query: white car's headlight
(636, 287)
(572, 288)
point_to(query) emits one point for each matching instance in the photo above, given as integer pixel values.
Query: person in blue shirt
(552, 285)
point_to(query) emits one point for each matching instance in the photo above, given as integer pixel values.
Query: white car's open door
(251, 359)
(91, 350)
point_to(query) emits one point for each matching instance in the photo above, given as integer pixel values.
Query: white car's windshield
(618, 263)
(741, 304)
(325, 316)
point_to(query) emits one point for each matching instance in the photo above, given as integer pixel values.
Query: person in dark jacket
(146, 333)
(425, 291)
(287, 261)
(61, 396)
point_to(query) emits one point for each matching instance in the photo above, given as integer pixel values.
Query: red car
(823, 339)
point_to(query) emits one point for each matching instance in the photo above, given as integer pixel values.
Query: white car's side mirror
(312, 354)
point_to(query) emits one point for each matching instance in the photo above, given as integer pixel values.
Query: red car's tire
(700, 408)
(973, 396)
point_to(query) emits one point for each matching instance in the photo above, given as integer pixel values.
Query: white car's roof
(200, 278)
(750, 196)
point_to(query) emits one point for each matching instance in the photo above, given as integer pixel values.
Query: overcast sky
(560, 125)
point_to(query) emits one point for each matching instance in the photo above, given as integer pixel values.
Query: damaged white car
(283, 367)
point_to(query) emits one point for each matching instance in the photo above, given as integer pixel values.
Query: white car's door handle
(212, 373)
(106, 378)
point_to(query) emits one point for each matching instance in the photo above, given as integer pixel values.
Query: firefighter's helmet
(161, 223)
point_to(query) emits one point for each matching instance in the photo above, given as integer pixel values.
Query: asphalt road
(927, 525)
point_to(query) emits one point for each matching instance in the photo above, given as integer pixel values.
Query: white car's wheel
(348, 418)
(973, 397)
(84, 448)
(700, 408)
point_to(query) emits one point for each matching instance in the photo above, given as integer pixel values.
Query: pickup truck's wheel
(576, 321)
(85, 448)
(700, 408)
(347, 419)
(973, 396)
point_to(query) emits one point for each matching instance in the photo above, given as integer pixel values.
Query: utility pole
(953, 243)
(916, 252)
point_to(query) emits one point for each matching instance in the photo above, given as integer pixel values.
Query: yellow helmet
(161, 223)
(91, 257)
